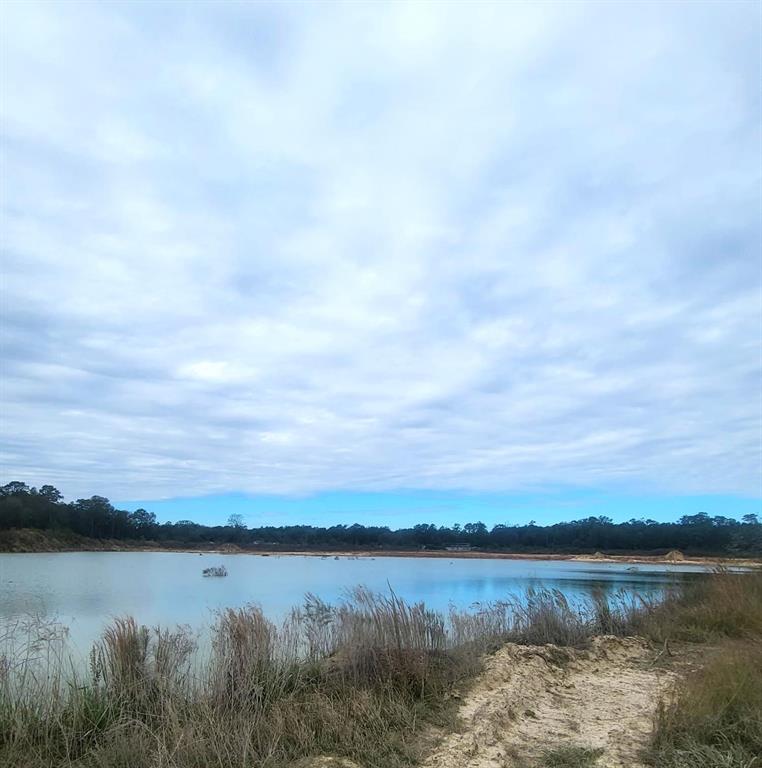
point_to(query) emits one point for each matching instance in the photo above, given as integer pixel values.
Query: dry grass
(545, 616)
(715, 717)
(570, 757)
(361, 680)
(715, 720)
(728, 605)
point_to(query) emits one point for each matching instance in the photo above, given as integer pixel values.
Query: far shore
(486, 555)
(28, 541)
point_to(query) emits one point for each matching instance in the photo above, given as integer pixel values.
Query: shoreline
(45, 545)
(487, 555)
(31, 541)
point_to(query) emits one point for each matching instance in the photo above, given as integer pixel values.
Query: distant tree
(97, 516)
(236, 521)
(143, 522)
(143, 518)
(14, 488)
(701, 518)
(51, 494)
(475, 529)
(24, 507)
(425, 534)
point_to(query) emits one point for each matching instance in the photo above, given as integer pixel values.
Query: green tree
(143, 522)
(14, 488)
(51, 494)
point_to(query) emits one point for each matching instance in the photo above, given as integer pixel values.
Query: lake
(84, 590)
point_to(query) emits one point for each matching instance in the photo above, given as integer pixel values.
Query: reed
(359, 679)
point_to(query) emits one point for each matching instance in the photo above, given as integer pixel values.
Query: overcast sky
(295, 249)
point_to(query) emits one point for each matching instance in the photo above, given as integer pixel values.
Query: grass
(259, 698)
(714, 719)
(363, 680)
(570, 757)
(726, 606)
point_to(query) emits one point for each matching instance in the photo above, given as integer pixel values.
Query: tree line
(44, 508)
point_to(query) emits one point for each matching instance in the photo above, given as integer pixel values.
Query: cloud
(287, 249)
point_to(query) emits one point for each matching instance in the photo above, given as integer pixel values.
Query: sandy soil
(535, 698)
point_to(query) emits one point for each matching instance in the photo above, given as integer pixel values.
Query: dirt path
(535, 698)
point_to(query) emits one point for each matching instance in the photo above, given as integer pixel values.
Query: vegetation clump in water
(215, 570)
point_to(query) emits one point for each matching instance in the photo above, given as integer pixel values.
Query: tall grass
(727, 605)
(360, 679)
(714, 718)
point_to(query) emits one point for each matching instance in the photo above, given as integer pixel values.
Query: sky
(383, 262)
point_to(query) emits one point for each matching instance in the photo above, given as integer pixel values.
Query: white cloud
(291, 248)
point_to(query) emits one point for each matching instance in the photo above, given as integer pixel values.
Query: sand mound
(532, 698)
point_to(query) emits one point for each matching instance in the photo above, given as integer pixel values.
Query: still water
(84, 590)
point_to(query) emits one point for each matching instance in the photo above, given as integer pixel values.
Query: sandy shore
(478, 555)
